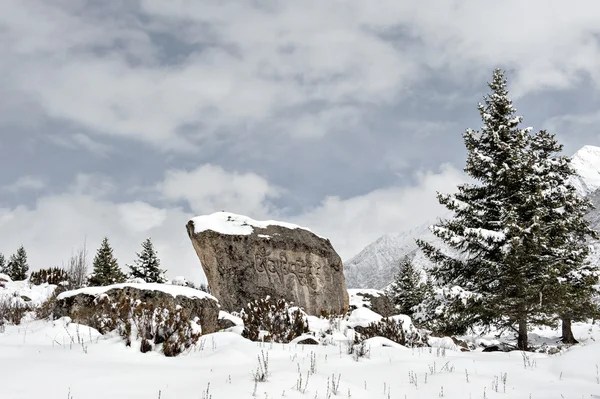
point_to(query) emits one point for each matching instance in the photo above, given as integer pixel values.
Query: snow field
(47, 360)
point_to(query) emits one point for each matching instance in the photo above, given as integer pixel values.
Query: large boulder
(83, 305)
(245, 259)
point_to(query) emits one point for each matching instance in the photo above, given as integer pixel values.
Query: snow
(4, 277)
(232, 224)
(357, 298)
(586, 163)
(363, 317)
(234, 319)
(60, 359)
(380, 342)
(174, 290)
(25, 292)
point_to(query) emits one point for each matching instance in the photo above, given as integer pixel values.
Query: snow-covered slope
(376, 264)
(586, 162)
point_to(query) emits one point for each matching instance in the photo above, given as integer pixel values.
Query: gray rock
(307, 341)
(289, 263)
(224, 324)
(80, 307)
(379, 303)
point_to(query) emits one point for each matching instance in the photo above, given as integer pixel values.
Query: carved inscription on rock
(289, 263)
(286, 266)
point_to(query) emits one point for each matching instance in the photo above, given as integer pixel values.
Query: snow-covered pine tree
(491, 226)
(17, 267)
(407, 290)
(565, 235)
(147, 265)
(3, 268)
(106, 269)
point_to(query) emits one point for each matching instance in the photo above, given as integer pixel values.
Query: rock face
(244, 260)
(80, 305)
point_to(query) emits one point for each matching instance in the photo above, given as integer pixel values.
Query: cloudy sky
(126, 118)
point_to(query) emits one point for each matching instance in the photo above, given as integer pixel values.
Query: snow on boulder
(4, 278)
(375, 300)
(232, 224)
(172, 290)
(362, 317)
(227, 321)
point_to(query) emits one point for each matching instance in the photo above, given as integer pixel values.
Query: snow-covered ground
(60, 359)
(47, 360)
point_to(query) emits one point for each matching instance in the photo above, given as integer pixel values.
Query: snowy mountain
(586, 162)
(376, 264)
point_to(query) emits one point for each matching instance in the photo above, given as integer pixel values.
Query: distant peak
(586, 163)
(588, 149)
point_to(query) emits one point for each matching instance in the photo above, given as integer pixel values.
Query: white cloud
(80, 141)
(243, 63)
(23, 183)
(93, 184)
(353, 223)
(210, 189)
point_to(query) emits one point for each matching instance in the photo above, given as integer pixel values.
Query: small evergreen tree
(3, 268)
(407, 290)
(147, 265)
(106, 269)
(17, 266)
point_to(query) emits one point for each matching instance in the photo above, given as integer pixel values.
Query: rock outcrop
(82, 305)
(375, 300)
(244, 260)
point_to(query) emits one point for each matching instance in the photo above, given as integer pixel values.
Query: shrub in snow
(386, 328)
(165, 327)
(273, 320)
(53, 275)
(12, 310)
(45, 309)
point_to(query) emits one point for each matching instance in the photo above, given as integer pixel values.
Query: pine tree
(106, 270)
(566, 233)
(494, 224)
(3, 268)
(147, 265)
(407, 290)
(17, 266)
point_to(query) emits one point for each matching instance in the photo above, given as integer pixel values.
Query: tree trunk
(522, 338)
(567, 332)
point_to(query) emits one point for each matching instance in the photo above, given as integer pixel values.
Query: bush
(273, 320)
(166, 325)
(53, 275)
(12, 310)
(387, 328)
